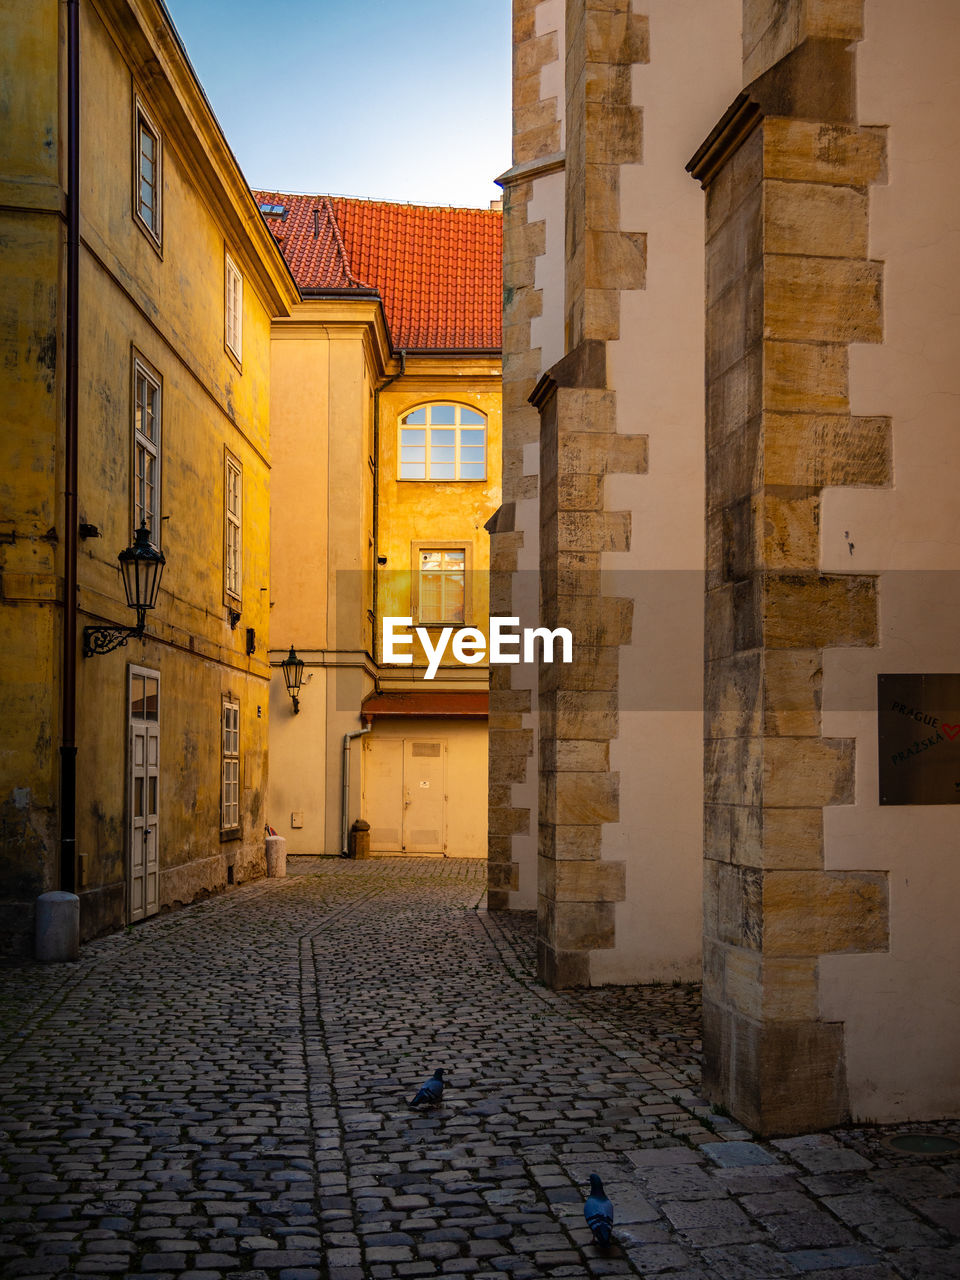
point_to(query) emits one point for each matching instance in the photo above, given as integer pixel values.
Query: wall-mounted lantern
(141, 567)
(292, 668)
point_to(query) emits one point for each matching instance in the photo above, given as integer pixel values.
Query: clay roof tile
(437, 270)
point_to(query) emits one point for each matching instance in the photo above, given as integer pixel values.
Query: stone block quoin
(536, 134)
(579, 446)
(789, 286)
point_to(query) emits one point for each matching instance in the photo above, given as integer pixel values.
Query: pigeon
(598, 1212)
(431, 1091)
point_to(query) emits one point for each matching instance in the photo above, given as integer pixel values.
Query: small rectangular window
(233, 307)
(232, 529)
(146, 449)
(442, 579)
(148, 186)
(230, 755)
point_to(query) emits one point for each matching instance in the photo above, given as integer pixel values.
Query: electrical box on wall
(296, 818)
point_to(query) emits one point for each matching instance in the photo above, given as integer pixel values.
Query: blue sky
(393, 99)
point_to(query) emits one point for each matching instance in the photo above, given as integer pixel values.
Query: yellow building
(139, 285)
(386, 430)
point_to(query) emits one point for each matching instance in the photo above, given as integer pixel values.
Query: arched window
(443, 442)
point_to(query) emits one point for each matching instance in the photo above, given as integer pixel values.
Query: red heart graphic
(951, 730)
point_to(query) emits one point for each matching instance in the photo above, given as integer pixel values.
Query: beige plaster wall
(322, 427)
(546, 329)
(899, 1008)
(656, 370)
(550, 19)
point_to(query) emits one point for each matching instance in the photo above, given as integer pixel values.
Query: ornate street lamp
(141, 567)
(292, 668)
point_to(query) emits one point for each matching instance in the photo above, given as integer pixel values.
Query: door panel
(143, 793)
(423, 788)
(383, 793)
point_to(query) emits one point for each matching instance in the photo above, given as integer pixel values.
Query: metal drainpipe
(68, 745)
(376, 503)
(345, 797)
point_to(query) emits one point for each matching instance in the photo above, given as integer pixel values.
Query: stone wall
(579, 446)
(790, 285)
(537, 141)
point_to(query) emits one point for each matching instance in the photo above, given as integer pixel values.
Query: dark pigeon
(431, 1092)
(598, 1212)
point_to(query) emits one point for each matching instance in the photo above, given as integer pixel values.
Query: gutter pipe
(376, 503)
(345, 797)
(68, 744)
(359, 733)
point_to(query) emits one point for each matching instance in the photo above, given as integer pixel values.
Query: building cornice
(149, 43)
(730, 132)
(814, 81)
(530, 169)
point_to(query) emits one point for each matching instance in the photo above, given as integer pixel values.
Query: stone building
(139, 283)
(730, 466)
(386, 435)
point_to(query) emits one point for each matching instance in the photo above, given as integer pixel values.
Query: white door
(383, 793)
(404, 800)
(423, 795)
(143, 791)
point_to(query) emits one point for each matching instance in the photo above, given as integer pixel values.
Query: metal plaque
(919, 739)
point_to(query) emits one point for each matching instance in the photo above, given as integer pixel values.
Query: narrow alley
(223, 1091)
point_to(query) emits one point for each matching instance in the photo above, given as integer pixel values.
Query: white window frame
(229, 766)
(458, 427)
(145, 448)
(232, 529)
(450, 618)
(232, 307)
(152, 224)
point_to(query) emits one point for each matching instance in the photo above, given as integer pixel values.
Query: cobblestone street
(223, 1092)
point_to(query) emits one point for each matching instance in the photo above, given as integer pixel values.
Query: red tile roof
(437, 270)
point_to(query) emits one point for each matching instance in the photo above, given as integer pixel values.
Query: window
(440, 582)
(233, 307)
(443, 442)
(230, 752)
(232, 529)
(147, 175)
(146, 449)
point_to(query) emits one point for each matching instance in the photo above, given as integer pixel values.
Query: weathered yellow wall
(170, 309)
(30, 404)
(325, 359)
(168, 305)
(414, 511)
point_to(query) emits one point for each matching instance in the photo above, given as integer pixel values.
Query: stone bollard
(276, 856)
(360, 839)
(58, 927)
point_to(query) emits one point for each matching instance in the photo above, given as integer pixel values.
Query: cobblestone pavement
(221, 1093)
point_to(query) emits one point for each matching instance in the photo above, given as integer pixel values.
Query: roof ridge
(327, 204)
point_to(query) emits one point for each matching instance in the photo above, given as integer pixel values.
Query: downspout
(359, 733)
(376, 504)
(345, 797)
(68, 744)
